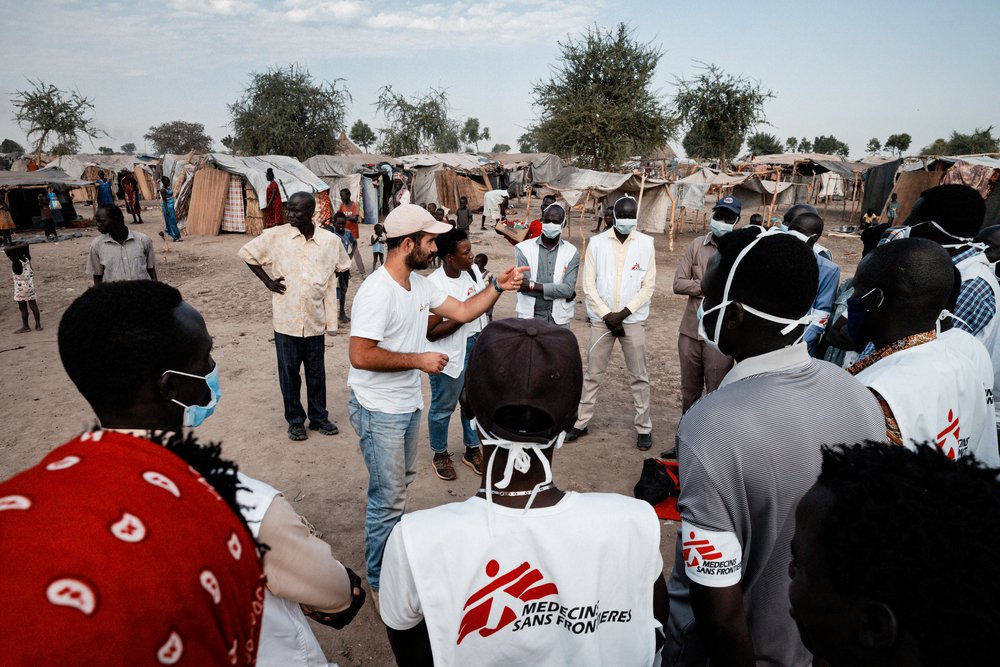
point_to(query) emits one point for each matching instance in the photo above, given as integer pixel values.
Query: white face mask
(551, 230)
(625, 225)
(721, 227)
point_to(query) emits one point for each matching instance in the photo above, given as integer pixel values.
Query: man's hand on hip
(277, 285)
(432, 362)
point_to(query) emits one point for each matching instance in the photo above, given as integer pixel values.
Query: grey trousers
(701, 366)
(599, 354)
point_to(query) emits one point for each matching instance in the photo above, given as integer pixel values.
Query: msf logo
(694, 548)
(493, 606)
(636, 267)
(948, 440)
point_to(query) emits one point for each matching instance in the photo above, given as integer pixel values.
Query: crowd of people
(837, 450)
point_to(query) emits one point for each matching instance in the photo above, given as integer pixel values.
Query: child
(481, 260)
(463, 215)
(6, 221)
(351, 246)
(24, 284)
(378, 246)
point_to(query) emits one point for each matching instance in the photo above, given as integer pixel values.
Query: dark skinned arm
(152, 273)
(438, 327)
(412, 647)
(722, 623)
(661, 602)
(98, 279)
(277, 286)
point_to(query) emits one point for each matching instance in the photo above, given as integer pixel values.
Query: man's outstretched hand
(512, 277)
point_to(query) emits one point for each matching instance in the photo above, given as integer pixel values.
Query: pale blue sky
(853, 69)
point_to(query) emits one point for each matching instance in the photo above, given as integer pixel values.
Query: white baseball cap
(411, 218)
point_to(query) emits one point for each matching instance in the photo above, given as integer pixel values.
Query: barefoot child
(24, 284)
(481, 260)
(378, 246)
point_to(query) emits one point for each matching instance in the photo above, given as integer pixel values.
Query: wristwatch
(531, 285)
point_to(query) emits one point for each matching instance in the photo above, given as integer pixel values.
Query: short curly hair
(933, 526)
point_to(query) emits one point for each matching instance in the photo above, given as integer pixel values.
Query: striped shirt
(748, 452)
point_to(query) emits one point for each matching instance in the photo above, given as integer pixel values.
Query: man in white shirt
(495, 204)
(459, 278)
(388, 353)
(932, 388)
(304, 260)
(535, 575)
(619, 277)
(549, 290)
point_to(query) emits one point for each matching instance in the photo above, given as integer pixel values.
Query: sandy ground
(325, 477)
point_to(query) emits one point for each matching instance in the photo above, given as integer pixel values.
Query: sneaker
(297, 432)
(575, 433)
(473, 458)
(443, 467)
(326, 427)
(644, 441)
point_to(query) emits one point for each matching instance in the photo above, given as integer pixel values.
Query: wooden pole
(854, 198)
(642, 188)
(774, 197)
(670, 229)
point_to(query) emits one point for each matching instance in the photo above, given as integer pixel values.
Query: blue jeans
(293, 353)
(445, 391)
(389, 445)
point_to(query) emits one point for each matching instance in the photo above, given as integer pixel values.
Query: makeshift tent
(980, 172)
(358, 173)
(541, 167)
(86, 166)
(587, 186)
(441, 178)
(22, 189)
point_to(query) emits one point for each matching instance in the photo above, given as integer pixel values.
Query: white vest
(562, 310)
(285, 636)
(579, 581)
(977, 267)
(638, 256)
(939, 394)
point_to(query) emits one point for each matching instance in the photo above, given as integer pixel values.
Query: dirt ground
(325, 477)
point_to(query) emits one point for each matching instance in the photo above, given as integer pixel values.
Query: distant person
(55, 209)
(23, 277)
(303, 261)
(274, 214)
(524, 573)
(991, 237)
(869, 219)
(400, 192)
(168, 211)
(495, 203)
(757, 220)
(481, 260)
(463, 214)
(105, 195)
(619, 278)
(344, 277)
(892, 209)
(549, 289)
(808, 227)
(130, 188)
(606, 221)
(119, 253)
(378, 245)
(352, 213)
(871, 612)
(7, 221)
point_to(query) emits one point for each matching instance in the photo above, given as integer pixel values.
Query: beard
(417, 262)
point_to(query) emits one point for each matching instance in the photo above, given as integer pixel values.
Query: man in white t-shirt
(388, 352)
(535, 575)
(495, 204)
(459, 278)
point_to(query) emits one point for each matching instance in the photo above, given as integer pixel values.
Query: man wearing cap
(619, 277)
(305, 261)
(388, 354)
(534, 573)
(548, 290)
(701, 365)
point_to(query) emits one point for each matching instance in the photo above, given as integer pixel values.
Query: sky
(852, 69)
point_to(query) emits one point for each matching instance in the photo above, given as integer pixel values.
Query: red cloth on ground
(274, 213)
(116, 552)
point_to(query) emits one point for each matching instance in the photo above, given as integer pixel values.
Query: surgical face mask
(625, 225)
(194, 415)
(551, 230)
(783, 227)
(963, 241)
(721, 227)
(857, 311)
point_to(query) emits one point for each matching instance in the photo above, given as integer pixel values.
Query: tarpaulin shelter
(914, 175)
(441, 178)
(367, 176)
(86, 166)
(526, 169)
(578, 186)
(22, 189)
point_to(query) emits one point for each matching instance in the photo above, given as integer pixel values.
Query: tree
(362, 134)
(792, 144)
(898, 142)
(599, 106)
(128, 149)
(978, 141)
(501, 148)
(721, 108)
(10, 146)
(874, 146)
(528, 142)
(805, 146)
(105, 150)
(830, 145)
(762, 143)
(179, 137)
(471, 133)
(47, 114)
(284, 111)
(417, 124)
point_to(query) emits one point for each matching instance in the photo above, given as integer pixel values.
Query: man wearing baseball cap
(528, 578)
(388, 353)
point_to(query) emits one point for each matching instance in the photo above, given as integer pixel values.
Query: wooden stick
(774, 197)
(642, 188)
(673, 209)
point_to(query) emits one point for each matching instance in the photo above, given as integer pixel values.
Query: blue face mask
(857, 311)
(194, 415)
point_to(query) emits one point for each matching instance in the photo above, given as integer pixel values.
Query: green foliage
(898, 142)
(599, 106)
(68, 147)
(128, 149)
(284, 111)
(528, 142)
(46, 114)
(874, 146)
(805, 146)
(696, 144)
(418, 124)
(830, 145)
(362, 134)
(762, 143)
(978, 141)
(501, 148)
(471, 134)
(720, 109)
(105, 150)
(179, 136)
(791, 144)
(10, 146)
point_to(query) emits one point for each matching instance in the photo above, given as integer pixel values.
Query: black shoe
(669, 454)
(644, 441)
(575, 433)
(326, 427)
(297, 432)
